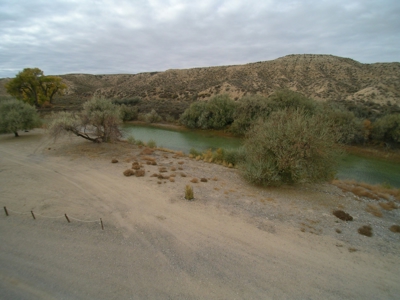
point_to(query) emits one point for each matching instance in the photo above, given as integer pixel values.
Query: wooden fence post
(67, 218)
(5, 209)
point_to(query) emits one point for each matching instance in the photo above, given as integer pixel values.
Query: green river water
(370, 170)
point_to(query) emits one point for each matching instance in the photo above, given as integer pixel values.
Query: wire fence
(69, 218)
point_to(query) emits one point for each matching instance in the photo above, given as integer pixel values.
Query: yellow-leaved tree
(33, 87)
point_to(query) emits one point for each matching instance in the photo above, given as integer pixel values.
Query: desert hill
(322, 77)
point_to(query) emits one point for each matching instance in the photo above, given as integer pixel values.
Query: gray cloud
(99, 37)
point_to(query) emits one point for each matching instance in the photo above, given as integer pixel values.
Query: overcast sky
(133, 36)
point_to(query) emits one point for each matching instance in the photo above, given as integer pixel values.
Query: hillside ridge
(319, 76)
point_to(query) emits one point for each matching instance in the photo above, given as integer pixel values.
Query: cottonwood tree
(33, 87)
(16, 115)
(97, 122)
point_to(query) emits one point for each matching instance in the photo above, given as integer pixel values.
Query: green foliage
(251, 108)
(348, 127)
(151, 117)
(290, 147)
(217, 113)
(98, 122)
(128, 101)
(128, 113)
(131, 140)
(194, 152)
(387, 129)
(33, 87)
(16, 115)
(151, 144)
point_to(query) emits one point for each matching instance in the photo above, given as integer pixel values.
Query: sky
(134, 36)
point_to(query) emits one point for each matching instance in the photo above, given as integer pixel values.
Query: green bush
(128, 101)
(290, 147)
(253, 107)
(387, 129)
(152, 117)
(217, 113)
(128, 113)
(151, 144)
(16, 115)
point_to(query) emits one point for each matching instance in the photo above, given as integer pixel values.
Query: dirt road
(155, 244)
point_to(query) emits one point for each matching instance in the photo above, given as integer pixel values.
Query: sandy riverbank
(234, 241)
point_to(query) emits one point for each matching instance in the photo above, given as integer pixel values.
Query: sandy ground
(234, 241)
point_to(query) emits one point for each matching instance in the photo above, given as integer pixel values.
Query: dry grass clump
(365, 230)
(374, 210)
(160, 176)
(194, 180)
(203, 179)
(173, 169)
(388, 205)
(114, 161)
(140, 173)
(154, 175)
(172, 179)
(151, 163)
(363, 189)
(162, 170)
(395, 228)
(147, 151)
(136, 165)
(183, 174)
(148, 158)
(129, 172)
(189, 194)
(342, 215)
(181, 162)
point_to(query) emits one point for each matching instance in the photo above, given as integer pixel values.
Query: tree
(290, 146)
(98, 122)
(16, 115)
(33, 87)
(387, 129)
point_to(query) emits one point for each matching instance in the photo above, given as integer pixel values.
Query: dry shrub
(154, 175)
(148, 158)
(365, 230)
(374, 210)
(181, 162)
(172, 175)
(129, 172)
(338, 230)
(162, 170)
(136, 166)
(203, 179)
(140, 173)
(172, 179)
(159, 182)
(388, 205)
(183, 174)
(352, 250)
(114, 161)
(189, 195)
(342, 215)
(194, 180)
(180, 168)
(367, 190)
(162, 177)
(395, 228)
(215, 179)
(173, 169)
(147, 151)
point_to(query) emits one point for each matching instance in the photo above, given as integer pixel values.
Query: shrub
(217, 113)
(16, 115)
(131, 140)
(129, 113)
(151, 144)
(290, 147)
(189, 195)
(98, 122)
(387, 129)
(151, 117)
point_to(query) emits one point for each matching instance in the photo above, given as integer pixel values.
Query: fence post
(33, 215)
(67, 218)
(5, 209)
(101, 221)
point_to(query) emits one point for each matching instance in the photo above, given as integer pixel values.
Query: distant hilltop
(321, 77)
